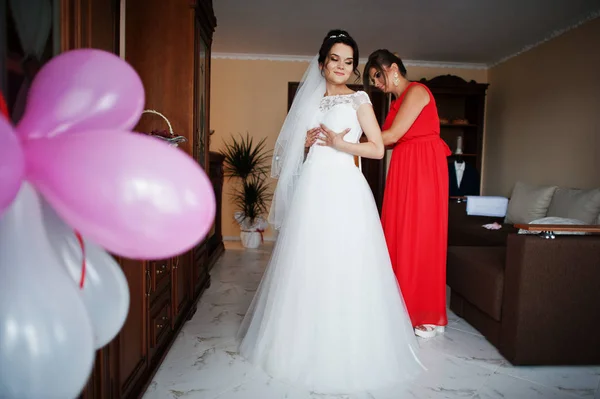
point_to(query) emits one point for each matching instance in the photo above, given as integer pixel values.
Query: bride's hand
(311, 136)
(332, 139)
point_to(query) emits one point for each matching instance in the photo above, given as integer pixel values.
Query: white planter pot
(250, 239)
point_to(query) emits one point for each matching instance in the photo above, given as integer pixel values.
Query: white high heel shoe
(429, 330)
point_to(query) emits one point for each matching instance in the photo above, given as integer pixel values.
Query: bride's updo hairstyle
(339, 36)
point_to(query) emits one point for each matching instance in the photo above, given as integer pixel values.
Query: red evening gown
(415, 214)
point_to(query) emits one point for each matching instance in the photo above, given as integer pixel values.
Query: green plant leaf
(252, 197)
(244, 159)
(248, 162)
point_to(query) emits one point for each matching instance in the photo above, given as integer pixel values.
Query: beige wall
(251, 96)
(248, 96)
(543, 115)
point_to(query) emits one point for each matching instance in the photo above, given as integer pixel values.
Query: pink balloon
(82, 90)
(12, 165)
(130, 193)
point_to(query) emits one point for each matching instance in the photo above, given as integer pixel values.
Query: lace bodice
(338, 113)
(355, 100)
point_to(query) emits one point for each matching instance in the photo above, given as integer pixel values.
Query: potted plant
(248, 163)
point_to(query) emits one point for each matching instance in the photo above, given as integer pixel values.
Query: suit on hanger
(469, 181)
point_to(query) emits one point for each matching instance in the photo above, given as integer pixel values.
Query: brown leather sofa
(537, 300)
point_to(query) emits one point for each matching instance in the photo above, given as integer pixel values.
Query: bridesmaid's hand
(331, 138)
(311, 136)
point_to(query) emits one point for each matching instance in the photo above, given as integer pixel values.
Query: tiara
(334, 36)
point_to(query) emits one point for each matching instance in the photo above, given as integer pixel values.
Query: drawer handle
(161, 270)
(164, 318)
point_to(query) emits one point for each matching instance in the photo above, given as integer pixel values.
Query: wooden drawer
(161, 273)
(160, 325)
(159, 280)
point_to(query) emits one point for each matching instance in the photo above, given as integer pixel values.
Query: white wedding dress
(328, 314)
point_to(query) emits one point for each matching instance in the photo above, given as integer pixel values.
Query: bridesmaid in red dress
(415, 204)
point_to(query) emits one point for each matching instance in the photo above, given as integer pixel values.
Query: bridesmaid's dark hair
(339, 36)
(377, 60)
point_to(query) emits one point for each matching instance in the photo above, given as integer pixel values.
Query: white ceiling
(482, 32)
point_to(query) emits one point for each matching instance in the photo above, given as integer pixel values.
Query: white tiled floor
(203, 363)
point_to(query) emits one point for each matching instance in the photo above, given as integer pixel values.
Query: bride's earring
(396, 79)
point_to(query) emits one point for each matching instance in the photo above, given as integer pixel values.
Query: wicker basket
(172, 139)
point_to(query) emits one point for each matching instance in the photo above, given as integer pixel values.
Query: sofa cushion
(576, 204)
(477, 274)
(528, 202)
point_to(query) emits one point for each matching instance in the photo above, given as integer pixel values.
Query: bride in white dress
(328, 313)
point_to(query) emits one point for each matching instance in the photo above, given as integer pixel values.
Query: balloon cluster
(75, 184)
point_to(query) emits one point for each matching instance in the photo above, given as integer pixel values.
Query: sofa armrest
(553, 228)
(551, 300)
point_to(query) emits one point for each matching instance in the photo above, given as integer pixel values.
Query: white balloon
(105, 291)
(46, 337)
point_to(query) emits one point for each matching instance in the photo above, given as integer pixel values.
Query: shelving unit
(458, 99)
